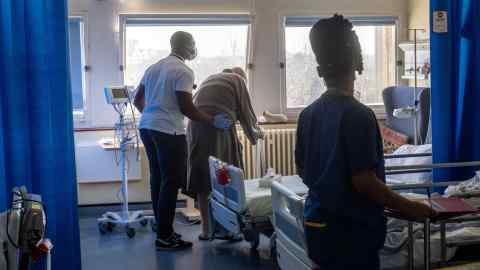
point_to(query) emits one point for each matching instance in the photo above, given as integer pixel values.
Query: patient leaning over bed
(339, 155)
(225, 92)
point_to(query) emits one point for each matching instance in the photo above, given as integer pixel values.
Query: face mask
(191, 52)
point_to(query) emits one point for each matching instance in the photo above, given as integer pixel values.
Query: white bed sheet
(398, 260)
(455, 233)
(259, 200)
(410, 178)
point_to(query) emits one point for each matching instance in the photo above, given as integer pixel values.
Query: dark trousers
(337, 243)
(167, 157)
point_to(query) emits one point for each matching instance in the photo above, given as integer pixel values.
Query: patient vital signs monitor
(127, 137)
(116, 94)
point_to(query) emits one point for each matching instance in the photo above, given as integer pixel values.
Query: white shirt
(161, 81)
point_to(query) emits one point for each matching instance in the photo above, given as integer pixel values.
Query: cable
(137, 142)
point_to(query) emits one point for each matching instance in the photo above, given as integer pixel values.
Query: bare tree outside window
(303, 86)
(218, 47)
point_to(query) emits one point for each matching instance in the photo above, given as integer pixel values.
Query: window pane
(303, 85)
(218, 47)
(76, 64)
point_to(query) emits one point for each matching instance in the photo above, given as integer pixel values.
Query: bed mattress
(259, 200)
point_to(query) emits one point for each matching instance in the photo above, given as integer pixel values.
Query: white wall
(107, 192)
(419, 16)
(103, 53)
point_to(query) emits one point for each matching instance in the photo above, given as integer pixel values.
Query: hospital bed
(444, 238)
(288, 222)
(242, 207)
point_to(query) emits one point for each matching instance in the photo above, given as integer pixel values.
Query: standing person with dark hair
(164, 97)
(339, 155)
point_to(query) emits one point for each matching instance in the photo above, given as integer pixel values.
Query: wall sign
(440, 21)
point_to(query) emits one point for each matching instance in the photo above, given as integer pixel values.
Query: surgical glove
(221, 121)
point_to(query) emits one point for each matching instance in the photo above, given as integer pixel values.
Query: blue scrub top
(337, 135)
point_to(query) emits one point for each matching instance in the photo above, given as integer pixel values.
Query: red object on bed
(223, 177)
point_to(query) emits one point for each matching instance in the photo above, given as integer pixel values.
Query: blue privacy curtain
(455, 60)
(36, 133)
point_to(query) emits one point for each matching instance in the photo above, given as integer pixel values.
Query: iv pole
(415, 90)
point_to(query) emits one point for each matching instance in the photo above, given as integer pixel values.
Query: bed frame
(288, 223)
(228, 207)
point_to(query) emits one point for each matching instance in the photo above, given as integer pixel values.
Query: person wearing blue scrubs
(339, 155)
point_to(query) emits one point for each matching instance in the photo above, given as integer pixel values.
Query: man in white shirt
(164, 96)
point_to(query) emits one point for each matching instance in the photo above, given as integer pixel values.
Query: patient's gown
(219, 93)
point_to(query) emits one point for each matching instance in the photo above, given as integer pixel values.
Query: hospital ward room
(239, 134)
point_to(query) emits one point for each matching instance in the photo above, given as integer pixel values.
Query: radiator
(275, 151)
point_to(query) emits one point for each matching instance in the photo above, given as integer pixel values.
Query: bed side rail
(231, 195)
(288, 214)
(406, 169)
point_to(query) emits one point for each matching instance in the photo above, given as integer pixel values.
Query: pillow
(393, 136)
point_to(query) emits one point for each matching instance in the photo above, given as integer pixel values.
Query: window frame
(189, 19)
(293, 112)
(80, 116)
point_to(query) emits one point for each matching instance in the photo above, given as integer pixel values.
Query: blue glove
(221, 121)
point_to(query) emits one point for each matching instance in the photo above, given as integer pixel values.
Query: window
(77, 64)
(222, 41)
(377, 36)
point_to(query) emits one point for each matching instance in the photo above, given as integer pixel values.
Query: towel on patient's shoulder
(410, 178)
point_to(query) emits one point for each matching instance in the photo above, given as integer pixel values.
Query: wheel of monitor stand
(110, 226)
(144, 222)
(130, 232)
(103, 227)
(255, 241)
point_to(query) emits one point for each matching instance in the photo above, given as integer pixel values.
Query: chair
(402, 96)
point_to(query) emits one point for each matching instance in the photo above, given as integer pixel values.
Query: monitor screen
(119, 93)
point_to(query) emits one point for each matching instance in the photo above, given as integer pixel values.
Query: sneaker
(172, 243)
(176, 235)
